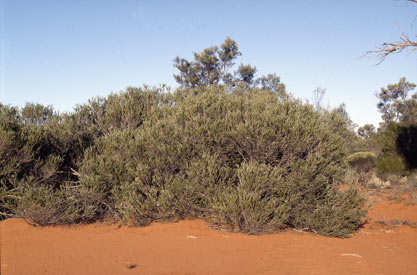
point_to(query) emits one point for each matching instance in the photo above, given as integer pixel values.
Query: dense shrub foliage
(406, 143)
(38, 151)
(252, 161)
(390, 164)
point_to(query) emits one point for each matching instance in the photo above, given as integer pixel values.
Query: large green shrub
(252, 162)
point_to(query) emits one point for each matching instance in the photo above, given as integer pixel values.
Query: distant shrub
(387, 164)
(362, 162)
(398, 150)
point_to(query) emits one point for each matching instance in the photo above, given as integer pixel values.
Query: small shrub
(393, 223)
(412, 181)
(377, 183)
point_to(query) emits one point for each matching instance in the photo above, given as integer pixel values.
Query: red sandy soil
(191, 248)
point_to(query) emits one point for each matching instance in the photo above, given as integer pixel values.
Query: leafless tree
(388, 48)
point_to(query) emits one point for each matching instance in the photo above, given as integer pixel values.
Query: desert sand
(382, 246)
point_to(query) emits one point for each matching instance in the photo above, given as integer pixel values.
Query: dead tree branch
(388, 48)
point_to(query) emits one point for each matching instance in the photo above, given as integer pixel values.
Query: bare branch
(388, 48)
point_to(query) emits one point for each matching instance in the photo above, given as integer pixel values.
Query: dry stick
(388, 48)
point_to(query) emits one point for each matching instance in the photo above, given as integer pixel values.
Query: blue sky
(64, 52)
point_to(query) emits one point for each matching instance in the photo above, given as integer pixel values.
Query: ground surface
(384, 246)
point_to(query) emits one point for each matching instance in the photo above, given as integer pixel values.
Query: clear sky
(64, 52)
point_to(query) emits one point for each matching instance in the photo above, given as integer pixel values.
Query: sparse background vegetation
(385, 158)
